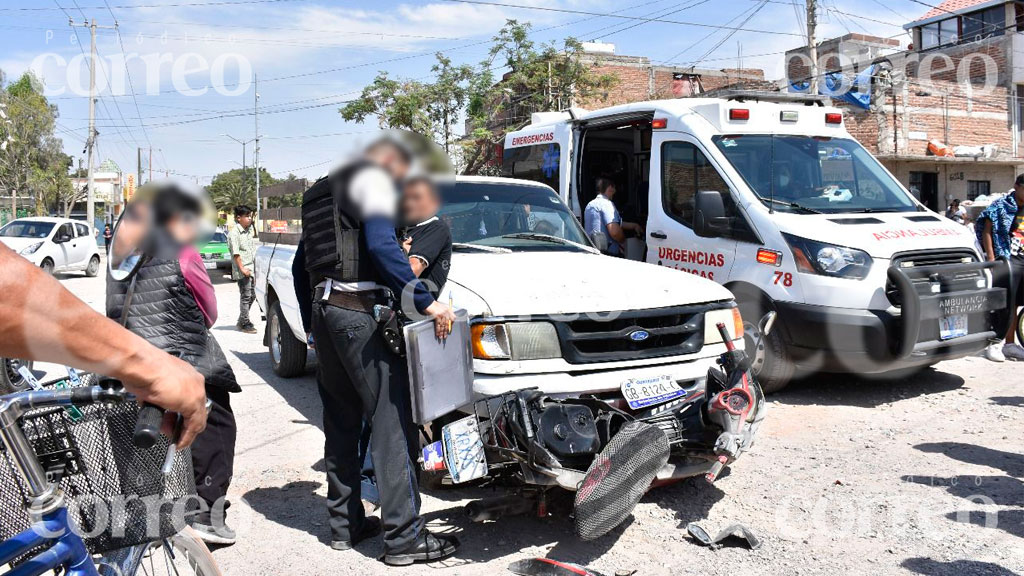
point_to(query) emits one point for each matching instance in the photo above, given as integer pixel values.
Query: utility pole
(812, 45)
(138, 181)
(90, 143)
(244, 143)
(256, 150)
(150, 165)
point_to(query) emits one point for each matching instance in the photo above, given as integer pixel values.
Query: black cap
(678, 76)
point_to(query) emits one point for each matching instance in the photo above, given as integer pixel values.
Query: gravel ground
(849, 476)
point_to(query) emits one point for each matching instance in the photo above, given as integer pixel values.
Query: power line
(620, 16)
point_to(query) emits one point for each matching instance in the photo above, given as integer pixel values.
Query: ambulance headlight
(515, 341)
(813, 257)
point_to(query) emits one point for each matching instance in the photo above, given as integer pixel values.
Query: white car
(53, 244)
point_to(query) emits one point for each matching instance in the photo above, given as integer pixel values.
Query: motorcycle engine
(568, 430)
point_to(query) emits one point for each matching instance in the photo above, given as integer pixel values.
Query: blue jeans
(369, 479)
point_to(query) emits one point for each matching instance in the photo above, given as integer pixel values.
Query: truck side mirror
(709, 219)
(600, 241)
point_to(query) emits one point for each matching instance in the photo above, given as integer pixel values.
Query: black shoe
(371, 528)
(427, 548)
(212, 532)
(248, 328)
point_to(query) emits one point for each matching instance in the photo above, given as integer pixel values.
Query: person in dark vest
(347, 263)
(173, 307)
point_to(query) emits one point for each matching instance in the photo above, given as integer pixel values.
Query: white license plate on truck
(210, 265)
(952, 326)
(644, 392)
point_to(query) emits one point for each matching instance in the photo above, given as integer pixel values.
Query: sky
(176, 75)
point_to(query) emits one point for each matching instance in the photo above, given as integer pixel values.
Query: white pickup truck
(549, 312)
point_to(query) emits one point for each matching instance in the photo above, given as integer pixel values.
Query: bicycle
(51, 542)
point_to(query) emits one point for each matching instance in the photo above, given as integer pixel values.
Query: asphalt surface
(849, 476)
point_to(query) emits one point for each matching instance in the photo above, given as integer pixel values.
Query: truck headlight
(31, 249)
(728, 316)
(813, 257)
(515, 341)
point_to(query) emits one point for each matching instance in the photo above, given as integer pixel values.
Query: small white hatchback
(54, 244)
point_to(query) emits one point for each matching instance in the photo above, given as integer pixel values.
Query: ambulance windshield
(814, 174)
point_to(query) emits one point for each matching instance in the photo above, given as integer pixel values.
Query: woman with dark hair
(173, 306)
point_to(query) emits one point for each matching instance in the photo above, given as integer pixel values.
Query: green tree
(32, 152)
(231, 188)
(549, 77)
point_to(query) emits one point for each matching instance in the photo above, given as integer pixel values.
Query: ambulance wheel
(287, 353)
(769, 361)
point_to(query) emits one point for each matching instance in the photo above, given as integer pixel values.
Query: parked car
(215, 253)
(53, 244)
(769, 195)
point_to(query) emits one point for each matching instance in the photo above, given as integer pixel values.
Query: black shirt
(432, 243)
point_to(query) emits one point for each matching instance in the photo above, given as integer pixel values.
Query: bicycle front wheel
(183, 553)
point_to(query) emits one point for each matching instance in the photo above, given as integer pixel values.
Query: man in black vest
(349, 256)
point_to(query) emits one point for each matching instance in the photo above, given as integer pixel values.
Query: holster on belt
(367, 302)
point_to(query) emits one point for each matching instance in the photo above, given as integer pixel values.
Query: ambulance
(770, 196)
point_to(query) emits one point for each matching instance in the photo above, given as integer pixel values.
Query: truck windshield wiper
(480, 248)
(793, 205)
(547, 238)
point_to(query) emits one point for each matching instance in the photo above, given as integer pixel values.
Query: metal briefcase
(440, 372)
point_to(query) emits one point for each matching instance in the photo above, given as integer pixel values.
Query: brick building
(640, 80)
(956, 84)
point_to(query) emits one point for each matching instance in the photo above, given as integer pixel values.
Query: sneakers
(1013, 351)
(371, 528)
(427, 548)
(248, 328)
(211, 533)
(994, 352)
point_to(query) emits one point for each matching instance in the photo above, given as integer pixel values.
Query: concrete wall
(953, 177)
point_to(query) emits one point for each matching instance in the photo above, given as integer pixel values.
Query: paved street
(849, 476)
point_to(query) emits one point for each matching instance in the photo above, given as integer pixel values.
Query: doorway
(925, 186)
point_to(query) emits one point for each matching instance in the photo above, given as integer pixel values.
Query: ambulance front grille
(954, 282)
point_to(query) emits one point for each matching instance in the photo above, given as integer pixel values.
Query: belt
(355, 301)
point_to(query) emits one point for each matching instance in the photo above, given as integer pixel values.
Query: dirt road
(849, 476)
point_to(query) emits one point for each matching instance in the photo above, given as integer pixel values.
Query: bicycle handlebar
(147, 427)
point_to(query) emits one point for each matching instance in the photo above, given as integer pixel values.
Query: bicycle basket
(115, 493)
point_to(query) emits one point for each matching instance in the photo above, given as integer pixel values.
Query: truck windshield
(512, 216)
(807, 174)
(27, 229)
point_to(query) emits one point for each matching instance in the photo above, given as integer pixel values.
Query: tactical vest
(164, 312)
(332, 235)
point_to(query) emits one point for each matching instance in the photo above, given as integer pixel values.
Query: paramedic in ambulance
(602, 216)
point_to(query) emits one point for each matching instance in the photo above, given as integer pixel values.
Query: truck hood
(527, 283)
(879, 234)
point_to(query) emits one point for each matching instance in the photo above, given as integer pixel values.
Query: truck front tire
(772, 366)
(287, 354)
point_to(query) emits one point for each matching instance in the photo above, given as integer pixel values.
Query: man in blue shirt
(602, 216)
(999, 232)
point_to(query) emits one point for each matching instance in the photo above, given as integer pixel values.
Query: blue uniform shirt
(599, 214)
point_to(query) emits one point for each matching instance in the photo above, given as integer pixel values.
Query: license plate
(952, 326)
(644, 392)
(210, 265)
(463, 450)
(433, 457)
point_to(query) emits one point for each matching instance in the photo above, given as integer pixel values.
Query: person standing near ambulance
(351, 258)
(1000, 232)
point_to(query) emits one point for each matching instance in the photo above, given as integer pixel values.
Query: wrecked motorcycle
(598, 446)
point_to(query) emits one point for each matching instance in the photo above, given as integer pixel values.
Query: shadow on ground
(1012, 464)
(1017, 401)
(1001, 490)
(954, 568)
(863, 391)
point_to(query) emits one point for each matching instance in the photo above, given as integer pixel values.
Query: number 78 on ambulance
(769, 195)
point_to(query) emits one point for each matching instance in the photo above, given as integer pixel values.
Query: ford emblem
(639, 335)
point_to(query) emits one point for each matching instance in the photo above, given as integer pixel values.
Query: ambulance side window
(685, 170)
(538, 163)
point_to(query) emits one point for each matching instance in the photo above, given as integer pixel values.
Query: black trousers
(359, 378)
(213, 452)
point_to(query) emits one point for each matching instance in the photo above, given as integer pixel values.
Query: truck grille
(620, 336)
(967, 280)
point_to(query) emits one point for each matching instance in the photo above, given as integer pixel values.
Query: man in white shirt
(602, 216)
